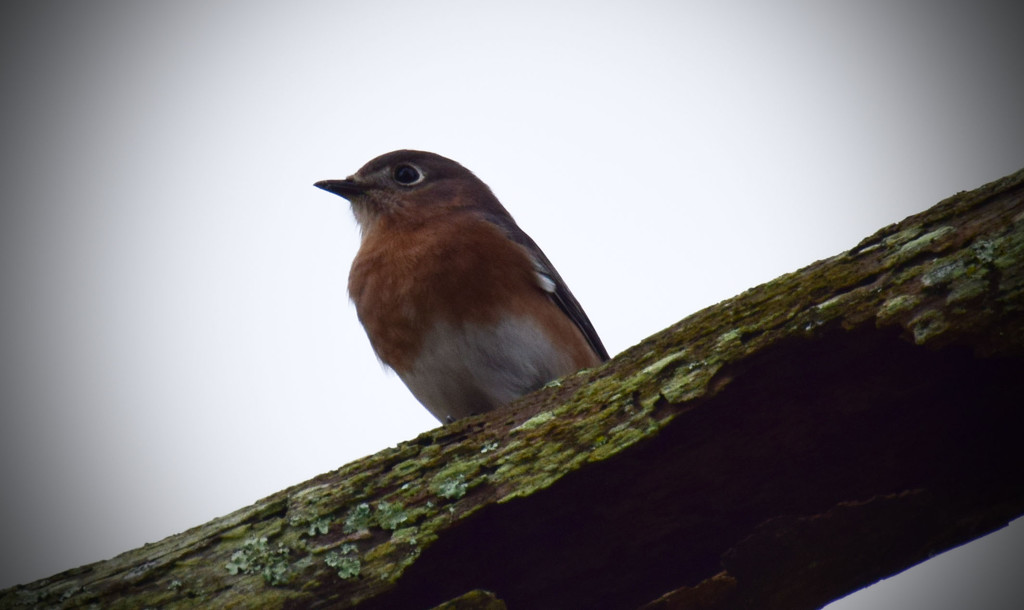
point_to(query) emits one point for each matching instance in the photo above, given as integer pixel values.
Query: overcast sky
(177, 340)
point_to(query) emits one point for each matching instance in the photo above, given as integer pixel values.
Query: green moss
(391, 514)
(914, 246)
(452, 488)
(598, 392)
(966, 290)
(554, 383)
(406, 535)
(688, 383)
(70, 592)
(902, 237)
(897, 305)
(928, 325)
(236, 533)
(728, 338)
(257, 557)
(535, 421)
(346, 562)
(984, 251)
(359, 517)
(454, 480)
(615, 442)
(320, 525)
(410, 492)
(657, 367)
(1009, 249)
(408, 468)
(943, 273)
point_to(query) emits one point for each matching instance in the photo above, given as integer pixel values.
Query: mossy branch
(778, 450)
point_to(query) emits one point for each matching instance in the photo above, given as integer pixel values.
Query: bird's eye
(407, 175)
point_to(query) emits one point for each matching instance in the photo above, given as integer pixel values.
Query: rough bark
(778, 450)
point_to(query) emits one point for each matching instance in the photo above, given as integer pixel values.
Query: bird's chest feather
(473, 368)
(405, 282)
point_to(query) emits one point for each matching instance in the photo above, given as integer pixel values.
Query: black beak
(342, 188)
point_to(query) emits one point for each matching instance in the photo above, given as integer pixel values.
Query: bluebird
(453, 295)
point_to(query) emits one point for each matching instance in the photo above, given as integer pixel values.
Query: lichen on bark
(755, 454)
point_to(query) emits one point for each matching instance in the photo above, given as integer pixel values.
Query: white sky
(177, 338)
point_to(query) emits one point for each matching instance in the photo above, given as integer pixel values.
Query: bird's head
(411, 186)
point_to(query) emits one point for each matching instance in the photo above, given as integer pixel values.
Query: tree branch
(778, 450)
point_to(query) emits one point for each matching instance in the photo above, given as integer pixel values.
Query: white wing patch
(543, 279)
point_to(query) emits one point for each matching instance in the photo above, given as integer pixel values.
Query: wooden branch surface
(777, 450)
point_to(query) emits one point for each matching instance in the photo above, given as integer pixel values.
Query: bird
(458, 300)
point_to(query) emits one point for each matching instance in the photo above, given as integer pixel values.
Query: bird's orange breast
(459, 270)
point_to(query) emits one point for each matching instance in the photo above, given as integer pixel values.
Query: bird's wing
(552, 283)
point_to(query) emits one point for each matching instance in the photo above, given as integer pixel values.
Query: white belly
(464, 370)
